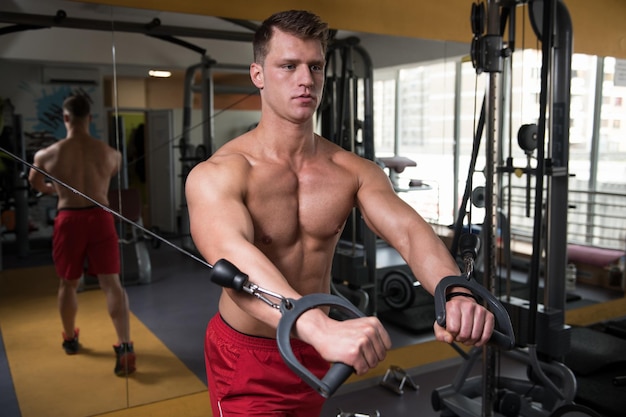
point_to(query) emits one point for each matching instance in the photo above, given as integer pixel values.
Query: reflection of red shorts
(85, 233)
(248, 377)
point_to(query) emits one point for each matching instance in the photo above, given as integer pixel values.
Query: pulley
(477, 18)
(478, 197)
(527, 137)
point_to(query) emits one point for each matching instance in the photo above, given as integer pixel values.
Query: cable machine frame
(547, 338)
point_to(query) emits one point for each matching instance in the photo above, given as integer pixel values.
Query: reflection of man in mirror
(83, 231)
(274, 202)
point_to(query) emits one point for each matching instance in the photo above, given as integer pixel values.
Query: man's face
(291, 79)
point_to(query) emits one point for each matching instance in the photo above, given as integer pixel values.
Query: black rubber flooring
(598, 359)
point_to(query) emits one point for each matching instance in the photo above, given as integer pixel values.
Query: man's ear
(256, 75)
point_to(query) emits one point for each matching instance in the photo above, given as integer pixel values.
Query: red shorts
(86, 233)
(248, 377)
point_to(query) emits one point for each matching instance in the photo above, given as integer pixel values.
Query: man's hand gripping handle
(227, 275)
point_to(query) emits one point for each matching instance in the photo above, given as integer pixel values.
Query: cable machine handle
(292, 310)
(228, 275)
(503, 334)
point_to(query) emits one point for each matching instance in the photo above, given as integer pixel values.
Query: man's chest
(284, 204)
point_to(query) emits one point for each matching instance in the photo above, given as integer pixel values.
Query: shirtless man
(274, 202)
(83, 230)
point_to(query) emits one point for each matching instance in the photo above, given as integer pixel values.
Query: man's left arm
(391, 218)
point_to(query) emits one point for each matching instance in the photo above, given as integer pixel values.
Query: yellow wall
(168, 93)
(599, 27)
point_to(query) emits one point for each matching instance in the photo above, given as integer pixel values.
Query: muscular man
(274, 202)
(83, 230)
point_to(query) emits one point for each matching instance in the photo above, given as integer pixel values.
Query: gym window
(416, 115)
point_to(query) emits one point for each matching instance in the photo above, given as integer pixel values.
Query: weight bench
(594, 265)
(396, 165)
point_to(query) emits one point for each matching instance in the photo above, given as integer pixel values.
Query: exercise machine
(366, 270)
(128, 202)
(542, 337)
(199, 82)
(13, 179)
(135, 256)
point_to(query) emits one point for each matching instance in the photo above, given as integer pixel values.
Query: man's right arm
(221, 228)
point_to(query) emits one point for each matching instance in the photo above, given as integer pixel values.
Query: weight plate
(398, 290)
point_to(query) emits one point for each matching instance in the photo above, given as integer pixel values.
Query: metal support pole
(457, 134)
(559, 156)
(208, 130)
(491, 200)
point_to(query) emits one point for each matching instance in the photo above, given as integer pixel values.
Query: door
(161, 175)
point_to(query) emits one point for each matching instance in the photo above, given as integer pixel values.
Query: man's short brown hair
(300, 23)
(77, 106)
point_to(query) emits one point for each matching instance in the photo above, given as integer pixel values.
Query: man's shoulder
(237, 149)
(99, 145)
(49, 151)
(227, 160)
(340, 155)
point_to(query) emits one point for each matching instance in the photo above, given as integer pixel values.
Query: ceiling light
(159, 73)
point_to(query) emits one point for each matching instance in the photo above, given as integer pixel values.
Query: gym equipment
(396, 165)
(400, 377)
(199, 80)
(350, 414)
(513, 397)
(128, 203)
(348, 66)
(540, 329)
(398, 289)
(13, 182)
(402, 299)
(188, 155)
(227, 275)
(365, 268)
(463, 397)
(503, 335)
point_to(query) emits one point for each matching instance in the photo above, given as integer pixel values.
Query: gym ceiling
(598, 25)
